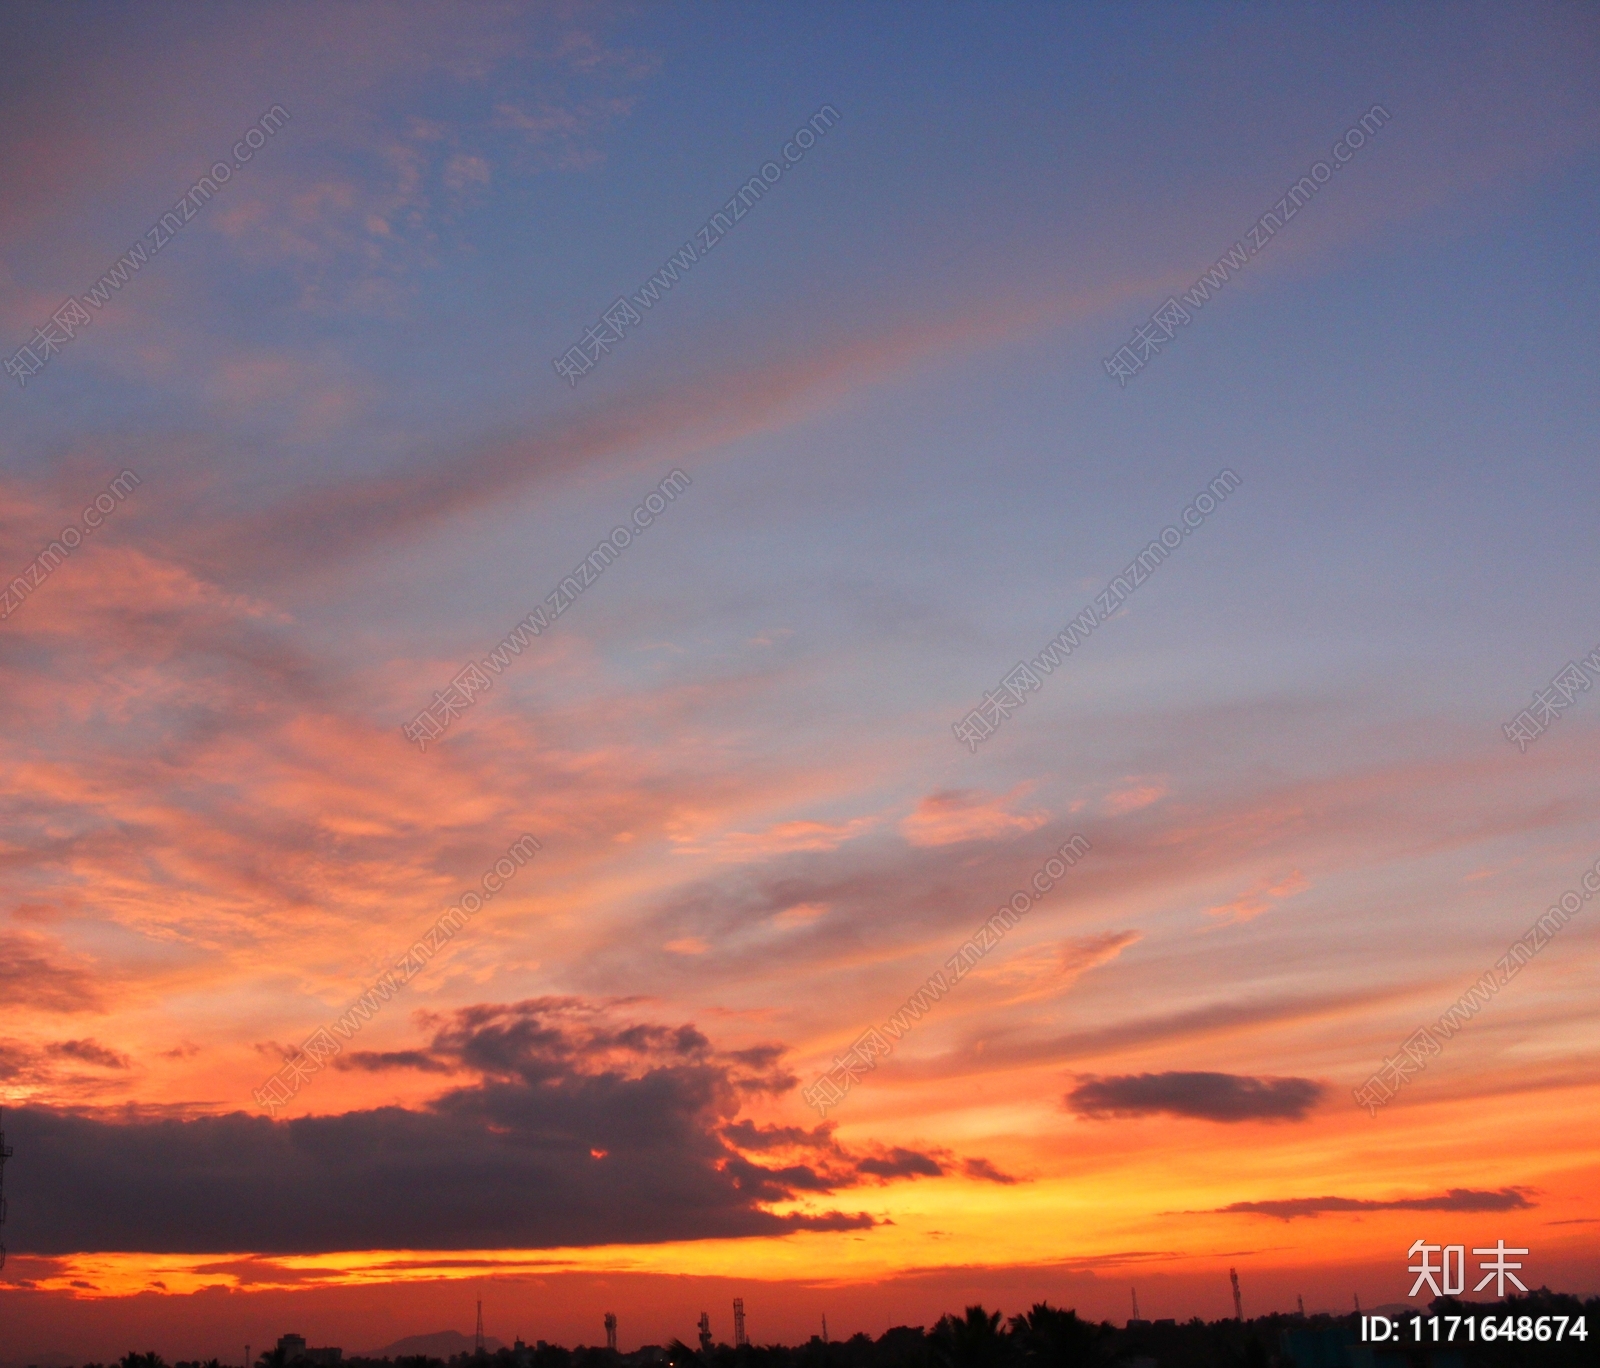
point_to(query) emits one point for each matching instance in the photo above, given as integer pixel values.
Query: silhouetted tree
(1048, 1337)
(680, 1355)
(902, 1346)
(974, 1341)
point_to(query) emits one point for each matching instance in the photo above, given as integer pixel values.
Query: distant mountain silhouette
(440, 1344)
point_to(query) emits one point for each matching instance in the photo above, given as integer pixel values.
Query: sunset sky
(904, 467)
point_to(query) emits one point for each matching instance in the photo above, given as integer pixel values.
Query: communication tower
(5, 1153)
(1135, 1292)
(1238, 1306)
(705, 1332)
(477, 1339)
(739, 1340)
(611, 1331)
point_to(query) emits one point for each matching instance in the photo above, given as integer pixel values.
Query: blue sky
(909, 470)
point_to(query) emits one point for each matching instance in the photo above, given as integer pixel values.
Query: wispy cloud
(950, 816)
(782, 838)
(1044, 970)
(1456, 1199)
(1259, 898)
(1138, 793)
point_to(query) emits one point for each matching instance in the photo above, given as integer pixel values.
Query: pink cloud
(952, 815)
(1140, 793)
(1259, 898)
(784, 838)
(1044, 970)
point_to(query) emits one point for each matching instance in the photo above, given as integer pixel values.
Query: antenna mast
(477, 1342)
(739, 1339)
(5, 1153)
(1238, 1306)
(1135, 1292)
(611, 1331)
(705, 1332)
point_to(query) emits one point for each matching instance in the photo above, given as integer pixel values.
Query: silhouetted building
(296, 1350)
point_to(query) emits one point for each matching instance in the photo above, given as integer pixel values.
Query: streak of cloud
(1203, 1096)
(1455, 1199)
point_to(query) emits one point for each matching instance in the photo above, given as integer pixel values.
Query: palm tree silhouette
(974, 1341)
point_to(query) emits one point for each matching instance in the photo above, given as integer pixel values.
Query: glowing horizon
(508, 545)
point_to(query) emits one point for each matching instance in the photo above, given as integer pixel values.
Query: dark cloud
(756, 1139)
(89, 1052)
(883, 1165)
(1456, 1199)
(982, 1168)
(57, 1070)
(901, 1163)
(1208, 1096)
(575, 1130)
(374, 1061)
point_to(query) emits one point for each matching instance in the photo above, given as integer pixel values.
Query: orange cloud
(952, 815)
(1043, 970)
(1259, 898)
(782, 838)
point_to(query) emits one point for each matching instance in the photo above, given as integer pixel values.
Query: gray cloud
(1207, 1096)
(89, 1052)
(884, 1165)
(1456, 1199)
(982, 1168)
(901, 1163)
(575, 1130)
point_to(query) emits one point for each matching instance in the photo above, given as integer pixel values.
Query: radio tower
(5, 1153)
(705, 1332)
(739, 1340)
(477, 1339)
(1302, 1302)
(611, 1331)
(1238, 1306)
(1135, 1292)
